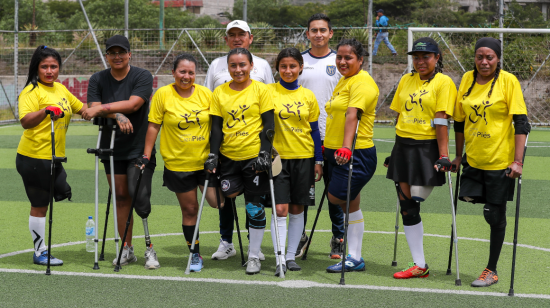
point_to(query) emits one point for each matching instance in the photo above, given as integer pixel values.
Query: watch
(319, 162)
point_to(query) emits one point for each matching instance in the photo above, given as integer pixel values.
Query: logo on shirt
(417, 102)
(234, 113)
(331, 70)
(478, 112)
(254, 69)
(62, 105)
(289, 110)
(189, 122)
(225, 185)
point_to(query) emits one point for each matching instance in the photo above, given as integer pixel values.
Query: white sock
(415, 235)
(256, 237)
(37, 227)
(281, 224)
(355, 234)
(295, 228)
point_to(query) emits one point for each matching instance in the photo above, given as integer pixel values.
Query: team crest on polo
(331, 70)
(225, 185)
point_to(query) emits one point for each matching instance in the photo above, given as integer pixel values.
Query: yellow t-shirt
(36, 142)
(488, 129)
(242, 122)
(294, 109)
(359, 91)
(185, 135)
(417, 102)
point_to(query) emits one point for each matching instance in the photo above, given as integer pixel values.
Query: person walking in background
(382, 34)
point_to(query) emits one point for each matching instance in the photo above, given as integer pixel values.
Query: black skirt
(412, 161)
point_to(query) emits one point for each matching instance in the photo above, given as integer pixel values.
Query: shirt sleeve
(215, 103)
(514, 96)
(74, 102)
(266, 103)
(313, 109)
(209, 79)
(459, 114)
(268, 75)
(143, 86)
(446, 96)
(94, 89)
(384, 21)
(362, 96)
(396, 103)
(29, 102)
(156, 113)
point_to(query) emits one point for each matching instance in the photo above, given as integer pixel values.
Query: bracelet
(319, 162)
(518, 163)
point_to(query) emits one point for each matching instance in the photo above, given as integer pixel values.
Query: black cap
(117, 40)
(380, 11)
(424, 47)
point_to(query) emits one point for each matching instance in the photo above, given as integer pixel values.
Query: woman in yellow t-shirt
(298, 142)
(489, 100)
(34, 153)
(355, 92)
(241, 113)
(424, 100)
(182, 109)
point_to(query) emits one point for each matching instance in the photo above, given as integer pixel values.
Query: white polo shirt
(218, 74)
(320, 75)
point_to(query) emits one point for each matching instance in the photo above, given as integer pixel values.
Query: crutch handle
(59, 159)
(98, 121)
(62, 115)
(508, 170)
(91, 151)
(104, 151)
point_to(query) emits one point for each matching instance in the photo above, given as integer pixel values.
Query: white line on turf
(293, 284)
(10, 254)
(4, 126)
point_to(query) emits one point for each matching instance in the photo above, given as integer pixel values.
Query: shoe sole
(46, 264)
(151, 266)
(347, 271)
(483, 286)
(252, 273)
(222, 258)
(302, 250)
(334, 257)
(127, 262)
(294, 269)
(423, 276)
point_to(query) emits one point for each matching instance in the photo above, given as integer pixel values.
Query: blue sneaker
(42, 259)
(352, 265)
(196, 263)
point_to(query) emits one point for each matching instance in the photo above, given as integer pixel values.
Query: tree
(46, 20)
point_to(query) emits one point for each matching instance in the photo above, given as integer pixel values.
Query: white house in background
(473, 5)
(214, 8)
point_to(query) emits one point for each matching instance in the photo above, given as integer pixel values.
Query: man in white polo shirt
(321, 76)
(237, 35)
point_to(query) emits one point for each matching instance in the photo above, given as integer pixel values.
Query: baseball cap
(117, 40)
(380, 11)
(424, 47)
(241, 24)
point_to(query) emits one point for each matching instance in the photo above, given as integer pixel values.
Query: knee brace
(420, 193)
(255, 212)
(495, 214)
(410, 212)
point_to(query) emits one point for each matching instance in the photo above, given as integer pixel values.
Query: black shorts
(485, 186)
(296, 182)
(412, 161)
(128, 167)
(36, 175)
(182, 182)
(236, 176)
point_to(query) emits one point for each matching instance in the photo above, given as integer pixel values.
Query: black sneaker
(336, 248)
(302, 245)
(293, 266)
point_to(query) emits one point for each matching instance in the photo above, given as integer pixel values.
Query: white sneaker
(261, 256)
(253, 266)
(127, 256)
(225, 250)
(151, 260)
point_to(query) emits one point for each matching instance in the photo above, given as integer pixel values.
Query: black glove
(142, 161)
(387, 161)
(263, 162)
(443, 164)
(211, 162)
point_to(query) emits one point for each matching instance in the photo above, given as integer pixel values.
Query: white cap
(241, 24)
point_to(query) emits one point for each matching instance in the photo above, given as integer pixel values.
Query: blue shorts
(364, 166)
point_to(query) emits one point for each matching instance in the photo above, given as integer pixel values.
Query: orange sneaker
(487, 278)
(413, 272)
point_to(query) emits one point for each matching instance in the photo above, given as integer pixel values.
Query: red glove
(323, 150)
(344, 153)
(55, 110)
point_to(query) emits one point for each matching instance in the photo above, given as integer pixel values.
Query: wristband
(518, 163)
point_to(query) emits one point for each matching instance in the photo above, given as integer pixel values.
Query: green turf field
(225, 283)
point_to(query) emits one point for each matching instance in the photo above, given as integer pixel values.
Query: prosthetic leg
(55, 160)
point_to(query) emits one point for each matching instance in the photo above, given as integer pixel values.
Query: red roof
(179, 3)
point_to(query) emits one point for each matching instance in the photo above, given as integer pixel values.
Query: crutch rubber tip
(342, 282)
(96, 266)
(117, 268)
(458, 282)
(394, 263)
(511, 292)
(101, 258)
(449, 272)
(48, 272)
(304, 257)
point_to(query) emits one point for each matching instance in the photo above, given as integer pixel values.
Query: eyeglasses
(115, 54)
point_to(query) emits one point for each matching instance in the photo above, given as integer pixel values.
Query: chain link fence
(154, 50)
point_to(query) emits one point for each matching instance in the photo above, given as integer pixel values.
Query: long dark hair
(289, 53)
(497, 71)
(438, 65)
(42, 52)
